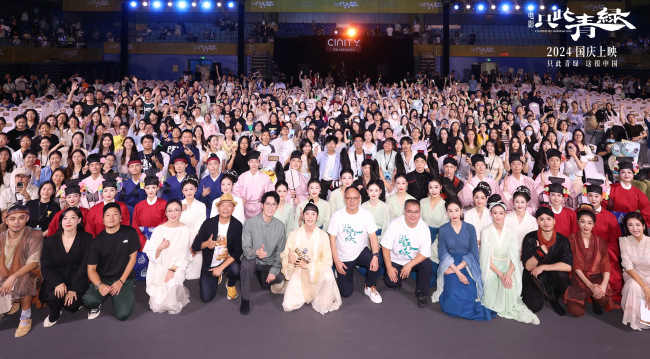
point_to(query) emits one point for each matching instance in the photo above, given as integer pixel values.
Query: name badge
(387, 175)
(330, 173)
(274, 158)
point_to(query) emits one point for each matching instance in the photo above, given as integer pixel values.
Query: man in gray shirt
(263, 240)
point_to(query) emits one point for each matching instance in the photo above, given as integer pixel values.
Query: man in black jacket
(219, 239)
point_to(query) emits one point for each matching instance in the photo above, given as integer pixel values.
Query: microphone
(302, 255)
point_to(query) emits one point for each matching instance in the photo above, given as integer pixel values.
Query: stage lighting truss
(499, 6)
(182, 5)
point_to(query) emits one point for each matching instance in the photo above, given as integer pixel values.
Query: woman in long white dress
(193, 216)
(309, 279)
(635, 256)
(479, 216)
(168, 251)
(501, 268)
(520, 220)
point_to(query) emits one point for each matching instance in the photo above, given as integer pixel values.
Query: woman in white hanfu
(168, 251)
(193, 216)
(309, 277)
(501, 267)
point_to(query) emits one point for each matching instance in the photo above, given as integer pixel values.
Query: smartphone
(19, 185)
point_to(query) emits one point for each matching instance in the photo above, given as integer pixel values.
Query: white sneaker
(373, 294)
(93, 313)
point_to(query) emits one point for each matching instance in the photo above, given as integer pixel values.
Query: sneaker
(220, 278)
(422, 299)
(93, 313)
(373, 294)
(232, 292)
(244, 308)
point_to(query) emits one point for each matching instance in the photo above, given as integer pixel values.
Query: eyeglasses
(352, 198)
(412, 212)
(271, 204)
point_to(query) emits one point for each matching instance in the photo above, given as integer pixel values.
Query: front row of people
(314, 266)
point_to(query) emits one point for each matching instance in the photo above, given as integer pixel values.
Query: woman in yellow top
(472, 146)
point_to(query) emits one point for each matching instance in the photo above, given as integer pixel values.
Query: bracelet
(121, 281)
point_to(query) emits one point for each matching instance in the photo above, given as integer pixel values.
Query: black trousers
(250, 268)
(425, 271)
(555, 282)
(57, 304)
(208, 283)
(324, 187)
(346, 281)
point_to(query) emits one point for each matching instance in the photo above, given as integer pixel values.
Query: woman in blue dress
(459, 274)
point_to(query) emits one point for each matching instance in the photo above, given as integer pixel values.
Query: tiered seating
(196, 29)
(295, 29)
(504, 35)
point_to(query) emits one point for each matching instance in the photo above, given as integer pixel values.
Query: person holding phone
(20, 192)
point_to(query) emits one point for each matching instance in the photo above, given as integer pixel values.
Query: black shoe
(245, 307)
(422, 299)
(558, 307)
(597, 309)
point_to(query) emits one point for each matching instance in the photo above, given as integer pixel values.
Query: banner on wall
(92, 5)
(346, 6)
(184, 48)
(343, 45)
(42, 54)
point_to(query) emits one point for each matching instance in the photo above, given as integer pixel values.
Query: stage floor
(397, 328)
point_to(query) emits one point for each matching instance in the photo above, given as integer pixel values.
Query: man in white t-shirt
(350, 230)
(283, 144)
(406, 247)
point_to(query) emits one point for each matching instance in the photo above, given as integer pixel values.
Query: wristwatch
(97, 285)
(376, 254)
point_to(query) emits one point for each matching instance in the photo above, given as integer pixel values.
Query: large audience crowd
(495, 194)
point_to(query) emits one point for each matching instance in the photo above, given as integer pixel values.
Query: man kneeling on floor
(111, 258)
(263, 240)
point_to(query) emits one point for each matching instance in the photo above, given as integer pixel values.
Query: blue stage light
(156, 4)
(182, 4)
(206, 4)
(456, 7)
(231, 4)
(530, 7)
(133, 4)
(554, 7)
(505, 7)
(480, 7)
